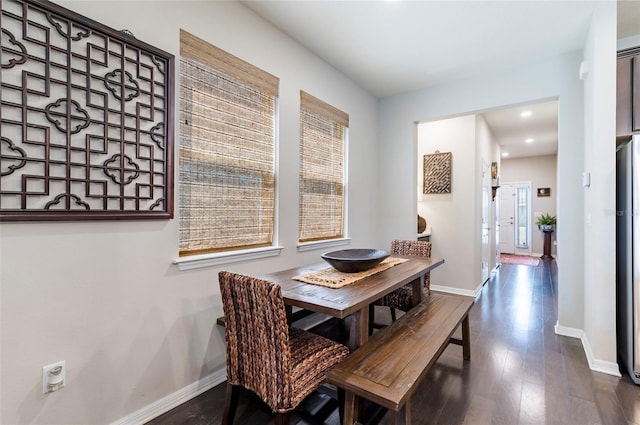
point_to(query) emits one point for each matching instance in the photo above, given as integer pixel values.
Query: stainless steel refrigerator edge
(627, 253)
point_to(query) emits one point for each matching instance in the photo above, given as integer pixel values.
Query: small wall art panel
(437, 173)
(544, 191)
(86, 119)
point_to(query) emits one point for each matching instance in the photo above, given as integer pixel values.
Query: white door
(507, 217)
(496, 222)
(486, 220)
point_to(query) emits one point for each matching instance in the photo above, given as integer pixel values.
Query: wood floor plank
(628, 395)
(520, 372)
(480, 411)
(583, 412)
(532, 405)
(556, 407)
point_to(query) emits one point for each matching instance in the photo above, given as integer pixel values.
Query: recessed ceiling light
(505, 154)
(525, 114)
(529, 140)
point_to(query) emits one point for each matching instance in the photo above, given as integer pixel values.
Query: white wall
(552, 78)
(451, 215)
(541, 172)
(456, 217)
(583, 125)
(600, 161)
(489, 150)
(105, 296)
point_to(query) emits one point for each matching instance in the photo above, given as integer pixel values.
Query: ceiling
(514, 131)
(392, 47)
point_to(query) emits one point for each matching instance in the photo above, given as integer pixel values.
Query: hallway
(520, 372)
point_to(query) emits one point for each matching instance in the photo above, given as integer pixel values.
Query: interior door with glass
(507, 219)
(523, 216)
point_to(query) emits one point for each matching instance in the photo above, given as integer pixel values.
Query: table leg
(289, 310)
(359, 328)
(349, 408)
(358, 335)
(403, 416)
(466, 338)
(418, 290)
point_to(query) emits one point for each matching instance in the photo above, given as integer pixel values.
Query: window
(323, 132)
(227, 151)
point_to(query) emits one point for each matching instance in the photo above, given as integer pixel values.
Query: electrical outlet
(53, 377)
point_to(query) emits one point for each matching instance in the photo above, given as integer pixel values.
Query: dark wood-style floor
(520, 372)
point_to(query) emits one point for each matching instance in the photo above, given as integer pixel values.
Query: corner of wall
(603, 366)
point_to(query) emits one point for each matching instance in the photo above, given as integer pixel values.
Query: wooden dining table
(353, 300)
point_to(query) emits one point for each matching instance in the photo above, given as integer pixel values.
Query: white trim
(570, 332)
(610, 368)
(457, 291)
(602, 366)
(311, 246)
(276, 172)
(167, 403)
(214, 259)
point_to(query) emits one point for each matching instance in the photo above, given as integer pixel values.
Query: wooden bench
(388, 368)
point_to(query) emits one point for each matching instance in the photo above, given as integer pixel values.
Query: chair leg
(230, 404)
(393, 313)
(282, 418)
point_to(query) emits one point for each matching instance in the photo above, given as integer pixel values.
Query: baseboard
(570, 332)
(610, 368)
(167, 403)
(457, 291)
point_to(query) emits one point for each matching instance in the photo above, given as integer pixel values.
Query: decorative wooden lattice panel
(86, 119)
(437, 173)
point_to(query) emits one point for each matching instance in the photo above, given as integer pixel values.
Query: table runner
(335, 279)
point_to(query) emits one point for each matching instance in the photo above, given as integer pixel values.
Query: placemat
(332, 278)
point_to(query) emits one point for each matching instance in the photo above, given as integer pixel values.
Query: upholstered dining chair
(402, 298)
(280, 364)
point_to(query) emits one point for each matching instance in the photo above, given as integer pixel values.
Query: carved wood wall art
(437, 173)
(86, 119)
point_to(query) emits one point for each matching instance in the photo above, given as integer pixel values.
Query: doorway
(515, 218)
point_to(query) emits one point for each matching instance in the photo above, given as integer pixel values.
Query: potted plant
(546, 222)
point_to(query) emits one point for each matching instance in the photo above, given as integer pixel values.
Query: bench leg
(466, 339)
(403, 416)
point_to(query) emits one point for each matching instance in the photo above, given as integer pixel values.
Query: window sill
(310, 246)
(207, 260)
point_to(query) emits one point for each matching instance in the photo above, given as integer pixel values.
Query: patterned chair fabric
(281, 365)
(402, 298)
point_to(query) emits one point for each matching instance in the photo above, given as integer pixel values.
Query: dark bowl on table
(354, 260)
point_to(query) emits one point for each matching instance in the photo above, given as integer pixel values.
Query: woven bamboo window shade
(227, 134)
(322, 145)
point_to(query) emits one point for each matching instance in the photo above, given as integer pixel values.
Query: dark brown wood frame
(437, 173)
(90, 136)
